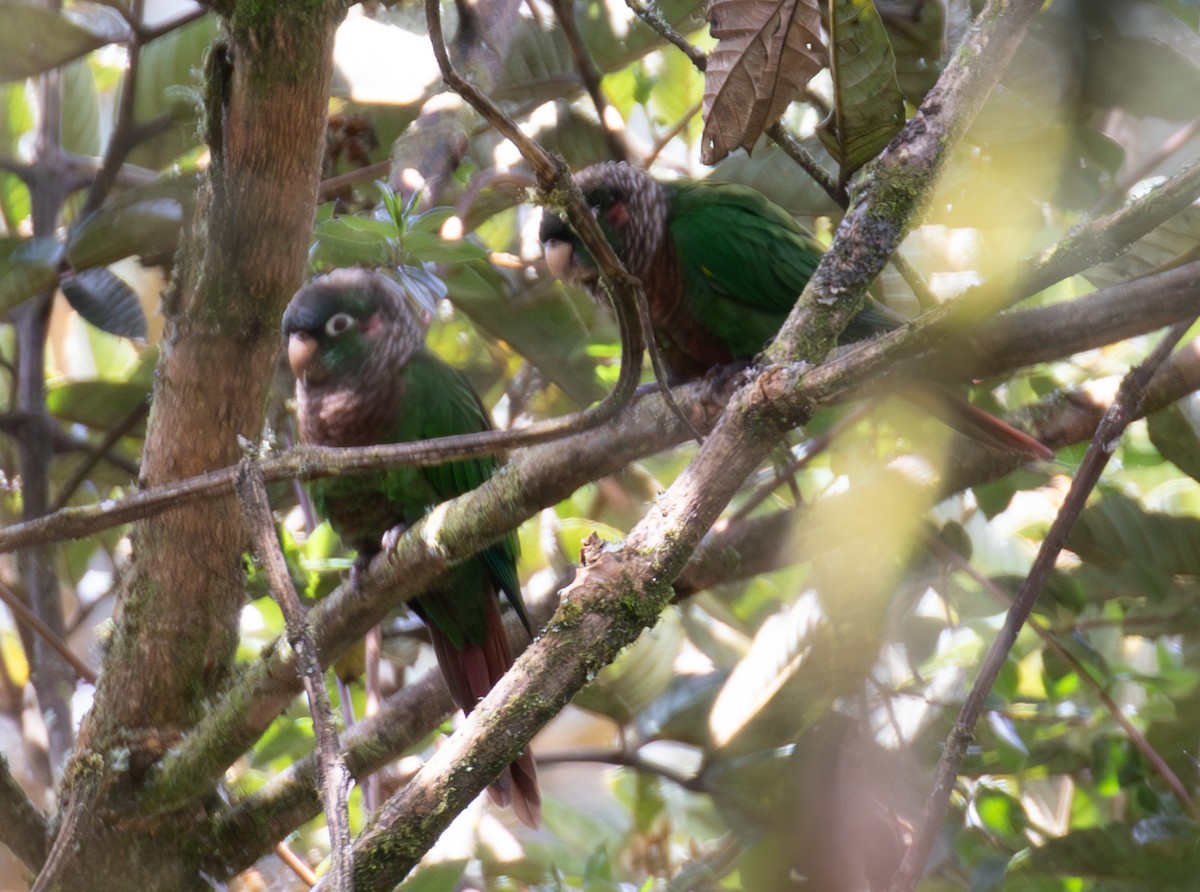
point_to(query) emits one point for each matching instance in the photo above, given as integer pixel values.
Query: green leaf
(1173, 433)
(16, 119)
(353, 241)
(36, 39)
(1000, 812)
(431, 220)
(1117, 530)
(30, 269)
(106, 301)
(868, 107)
(442, 876)
(96, 403)
(917, 35)
(430, 247)
(597, 873)
(80, 109)
(1187, 11)
(168, 86)
(1159, 854)
(144, 221)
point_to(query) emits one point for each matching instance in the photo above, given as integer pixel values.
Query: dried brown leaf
(767, 51)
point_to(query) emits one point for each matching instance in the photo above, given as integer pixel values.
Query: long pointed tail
(974, 422)
(470, 674)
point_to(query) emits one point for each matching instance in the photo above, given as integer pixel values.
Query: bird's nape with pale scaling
(365, 377)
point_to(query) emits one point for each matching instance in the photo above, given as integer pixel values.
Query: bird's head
(631, 208)
(340, 324)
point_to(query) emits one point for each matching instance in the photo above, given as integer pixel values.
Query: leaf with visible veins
(767, 51)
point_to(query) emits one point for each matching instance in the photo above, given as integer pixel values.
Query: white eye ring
(338, 323)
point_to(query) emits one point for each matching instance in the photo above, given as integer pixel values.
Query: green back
(744, 261)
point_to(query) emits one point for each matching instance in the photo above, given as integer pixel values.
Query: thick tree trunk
(177, 617)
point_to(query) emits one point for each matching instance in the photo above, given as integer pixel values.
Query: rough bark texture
(176, 621)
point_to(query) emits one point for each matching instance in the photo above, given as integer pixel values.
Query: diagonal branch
(30, 620)
(1152, 756)
(564, 11)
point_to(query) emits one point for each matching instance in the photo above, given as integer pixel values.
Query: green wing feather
(744, 261)
(438, 402)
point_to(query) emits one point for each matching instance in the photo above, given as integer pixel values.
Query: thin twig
(147, 34)
(121, 142)
(302, 871)
(625, 291)
(812, 448)
(663, 140)
(920, 288)
(564, 11)
(1169, 147)
(625, 759)
(333, 185)
(50, 675)
(808, 162)
(119, 430)
(1139, 740)
(332, 774)
(660, 25)
(26, 616)
(1124, 409)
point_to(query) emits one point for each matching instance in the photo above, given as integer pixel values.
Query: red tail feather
(974, 422)
(470, 674)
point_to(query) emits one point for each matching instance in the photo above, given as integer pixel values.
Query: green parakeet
(364, 377)
(722, 266)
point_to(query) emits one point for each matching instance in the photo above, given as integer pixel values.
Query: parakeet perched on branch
(364, 377)
(722, 266)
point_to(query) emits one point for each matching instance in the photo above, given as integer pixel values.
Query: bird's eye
(338, 323)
